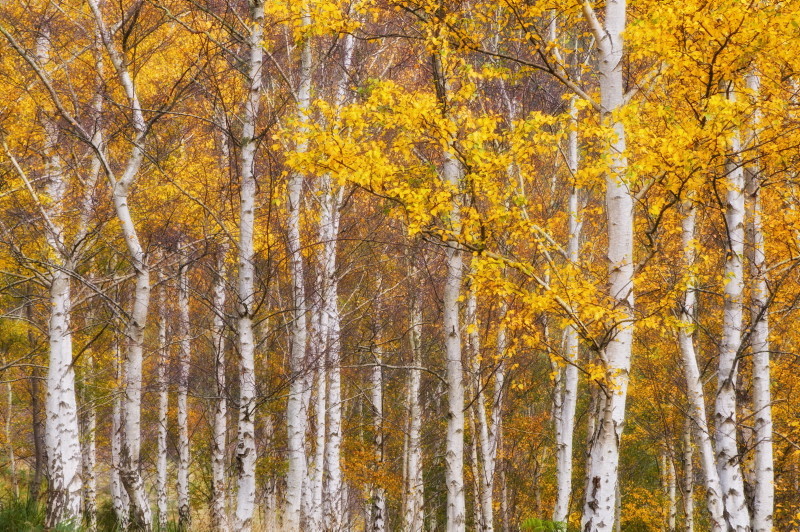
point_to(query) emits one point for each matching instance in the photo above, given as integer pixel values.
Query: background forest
(399, 265)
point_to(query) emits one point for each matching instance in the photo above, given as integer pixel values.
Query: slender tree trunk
(246, 447)
(317, 353)
(90, 428)
(688, 477)
(669, 485)
(505, 509)
(62, 429)
(184, 514)
(89, 449)
(454, 453)
(163, 408)
(9, 414)
(599, 506)
(451, 325)
(694, 383)
(477, 507)
(295, 413)
(131, 408)
(414, 511)
(333, 491)
(728, 461)
(119, 497)
(764, 489)
(334, 487)
(567, 393)
(484, 463)
(219, 496)
(318, 465)
(40, 460)
(378, 520)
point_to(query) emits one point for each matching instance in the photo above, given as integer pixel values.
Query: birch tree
(184, 360)
(764, 490)
(413, 501)
(245, 289)
(219, 512)
(694, 383)
(163, 406)
(728, 465)
(295, 411)
(599, 505)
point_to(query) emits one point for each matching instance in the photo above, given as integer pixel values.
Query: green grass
(22, 515)
(542, 525)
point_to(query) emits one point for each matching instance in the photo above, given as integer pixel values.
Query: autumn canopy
(425, 265)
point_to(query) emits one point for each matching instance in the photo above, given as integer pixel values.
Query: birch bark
(764, 490)
(62, 431)
(691, 372)
(219, 496)
(295, 412)
(378, 519)
(413, 511)
(163, 407)
(454, 453)
(333, 494)
(728, 461)
(89, 449)
(119, 497)
(451, 326)
(688, 477)
(669, 485)
(599, 505)
(184, 514)
(246, 447)
(131, 411)
(567, 391)
(485, 452)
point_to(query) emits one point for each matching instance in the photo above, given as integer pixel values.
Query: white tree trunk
(688, 477)
(669, 485)
(12, 461)
(764, 489)
(295, 412)
(89, 458)
(131, 411)
(246, 447)
(413, 510)
(378, 510)
(62, 430)
(567, 391)
(333, 498)
(454, 452)
(485, 453)
(317, 353)
(728, 461)
(333, 494)
(119, 497)
(219, 496)
(599, 505)
(163, 408)
(318, 464)
(691, 372)
(477, 506)
(184, 515)
(330, 322)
